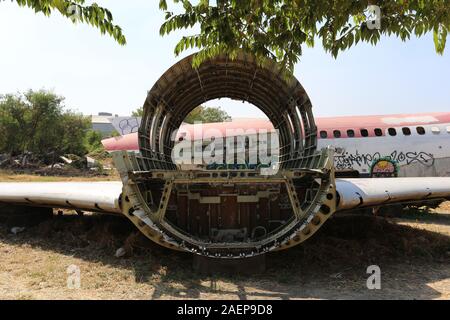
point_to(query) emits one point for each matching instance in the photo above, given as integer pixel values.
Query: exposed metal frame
(282, 98)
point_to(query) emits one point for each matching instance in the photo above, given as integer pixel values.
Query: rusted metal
(227, 213)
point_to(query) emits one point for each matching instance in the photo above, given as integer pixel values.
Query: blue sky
(96, 74)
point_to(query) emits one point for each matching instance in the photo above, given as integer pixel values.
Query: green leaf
(440, 39)
(280, 28)
(93, 14)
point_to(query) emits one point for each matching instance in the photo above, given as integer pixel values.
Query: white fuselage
(419, 144)
(416, 154)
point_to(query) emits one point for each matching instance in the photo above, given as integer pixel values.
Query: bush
(37, 122)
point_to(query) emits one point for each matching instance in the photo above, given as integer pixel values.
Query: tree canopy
(207, 115)
(37, 122)
(199, 114)
(279, 29)
(78, 11)
(138, 112)
(276, 29)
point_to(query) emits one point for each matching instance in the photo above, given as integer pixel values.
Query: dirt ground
(413, 253)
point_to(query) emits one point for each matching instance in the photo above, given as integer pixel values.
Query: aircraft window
(406, 131)
(364, 132)
(435, 130)
(392, 132)
(378, 132)
(351, 133)
(323, 134)
(420, 130)
(337, 133)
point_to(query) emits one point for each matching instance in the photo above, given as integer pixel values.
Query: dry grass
(445, 207)
(10, 176)
(413, 253)
(415, 263)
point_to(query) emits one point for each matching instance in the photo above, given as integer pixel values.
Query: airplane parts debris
(227, 213)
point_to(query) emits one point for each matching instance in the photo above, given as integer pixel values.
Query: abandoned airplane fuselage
(229, 212)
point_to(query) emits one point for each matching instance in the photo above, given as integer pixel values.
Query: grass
(413, 253)
(10, 176)
(415, 263)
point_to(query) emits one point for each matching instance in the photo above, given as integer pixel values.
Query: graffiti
(426, 159)
(347, 160)
(128, 125)
(384, 167)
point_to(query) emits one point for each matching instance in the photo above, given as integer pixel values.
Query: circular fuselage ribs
(227, 213)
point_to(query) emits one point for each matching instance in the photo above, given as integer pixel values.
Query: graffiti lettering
(347, 160)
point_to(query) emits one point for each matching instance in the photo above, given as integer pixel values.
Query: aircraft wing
(88, 196)
(373, 192)
(105, 196)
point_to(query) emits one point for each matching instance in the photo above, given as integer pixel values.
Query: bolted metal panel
(228, 213)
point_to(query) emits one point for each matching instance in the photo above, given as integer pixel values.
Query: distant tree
(37, 122)
(115, 133)
(138, 112)
(93, 140)
(78, 11)
(73, 131)
(195, 115)
(13, 122)
(207, 115)
(211, 114)
(199, 114)
(280, 29)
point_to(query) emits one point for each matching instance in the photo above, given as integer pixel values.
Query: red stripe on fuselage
(328, 124)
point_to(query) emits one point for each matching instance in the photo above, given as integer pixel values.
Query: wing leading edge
(88, 196)
(372, 192)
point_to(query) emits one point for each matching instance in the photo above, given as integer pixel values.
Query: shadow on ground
(331, 265)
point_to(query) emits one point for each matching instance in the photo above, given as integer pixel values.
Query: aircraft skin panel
(129, 140)
(89, 196)
(104, 196)
(422, 152)
(417, 155)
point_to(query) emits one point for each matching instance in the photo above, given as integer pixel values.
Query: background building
(107, 123)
